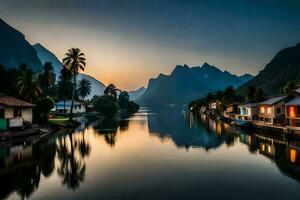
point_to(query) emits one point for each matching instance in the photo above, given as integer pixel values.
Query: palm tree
(84, 88)
(28, 86)
(74, 61)
(111, 90)
(47, 77)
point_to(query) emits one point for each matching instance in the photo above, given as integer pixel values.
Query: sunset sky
(129, 41)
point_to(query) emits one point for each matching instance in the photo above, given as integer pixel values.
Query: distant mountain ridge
(284, 67)
(15, 50)
(135, 94)
(97, 87)
(186, 83)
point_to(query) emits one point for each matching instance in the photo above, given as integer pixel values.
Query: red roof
(13, 102)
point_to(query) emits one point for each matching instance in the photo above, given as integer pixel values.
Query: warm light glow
(262, 109)
(293, 155)
(292, 111)
(269, 110)
(219, 128)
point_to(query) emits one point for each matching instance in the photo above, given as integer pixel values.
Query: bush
(44, 106)
(106, 105)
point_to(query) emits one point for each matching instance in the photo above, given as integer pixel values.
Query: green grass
(58, 120)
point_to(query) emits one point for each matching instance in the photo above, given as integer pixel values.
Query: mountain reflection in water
(145, 152)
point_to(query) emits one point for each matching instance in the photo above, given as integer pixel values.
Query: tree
(84, 88)
(28, 86)
(250, 95)
(111, 90)
(228, 95)
(44, 106)
(47, 77)
(106, 105)
(74, 61)
(289, 88)
(260, 95)
(123, 99)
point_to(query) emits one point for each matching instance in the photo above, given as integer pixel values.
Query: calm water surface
(159, 153)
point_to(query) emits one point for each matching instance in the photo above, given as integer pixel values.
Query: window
(17, 112)
(79, 106)
(269, 110)
(278, 110)
(1, 113)
(298, 110)
(262, 110)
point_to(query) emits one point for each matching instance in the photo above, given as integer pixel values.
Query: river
(159, 153)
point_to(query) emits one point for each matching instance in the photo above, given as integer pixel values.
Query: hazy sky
(129, 41)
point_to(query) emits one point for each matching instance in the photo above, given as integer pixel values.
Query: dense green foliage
(43, 108)
(106, 105)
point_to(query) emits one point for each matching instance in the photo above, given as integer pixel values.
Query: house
(214, 105)
(247, 112)
(292, 113)
(231, 110)
(65, 106)
(272, 111)
(14, 112)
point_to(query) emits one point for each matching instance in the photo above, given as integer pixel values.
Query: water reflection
(187, 130)
(112, 152)
(72, 167)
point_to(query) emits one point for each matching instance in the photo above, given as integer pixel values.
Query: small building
(214, 105)
(231, 110)
(65, 106)
(292, 113)
(247, 112)
(272, 111)
(14, 112)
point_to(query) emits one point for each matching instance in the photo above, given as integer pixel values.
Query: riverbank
(29, 135)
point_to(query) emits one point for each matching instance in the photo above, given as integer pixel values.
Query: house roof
(272, 100)
(297, 90)
(295, 101)
(13, 102)
(249, 105)
(69, 102)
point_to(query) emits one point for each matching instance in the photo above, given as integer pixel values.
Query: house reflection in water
(285, 154)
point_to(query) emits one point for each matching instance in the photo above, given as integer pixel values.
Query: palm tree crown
(111, 90)
(74, 60)
(84, 88)
(27, 85)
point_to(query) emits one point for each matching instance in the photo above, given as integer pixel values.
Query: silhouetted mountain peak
(15, 50)
(211, 68)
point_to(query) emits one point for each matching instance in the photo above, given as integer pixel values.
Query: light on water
(159, 153)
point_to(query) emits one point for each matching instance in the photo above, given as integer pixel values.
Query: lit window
(292, 111)
(269, 110)
(262, 110)
(293, 155)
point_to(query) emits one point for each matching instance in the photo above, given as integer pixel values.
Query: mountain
(134, 95)
(46, 55)
(15, 50)
(246, 77)
(284, 67)
(186, 83)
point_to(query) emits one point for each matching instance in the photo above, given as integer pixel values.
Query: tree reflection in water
(108, 127)
(72, 168)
